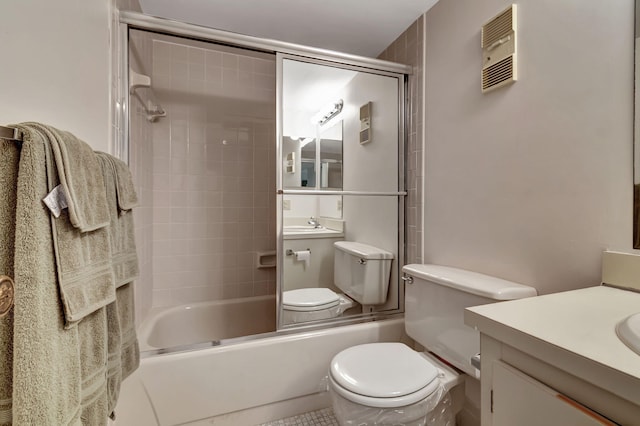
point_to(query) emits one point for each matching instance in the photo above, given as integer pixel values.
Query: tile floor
(322, 417)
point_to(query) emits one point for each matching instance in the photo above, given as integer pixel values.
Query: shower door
(341, 162)
(227, 158)
(206, 176)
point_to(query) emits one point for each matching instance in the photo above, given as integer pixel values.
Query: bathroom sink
(297, 232)
(628, 330)
(303, 228)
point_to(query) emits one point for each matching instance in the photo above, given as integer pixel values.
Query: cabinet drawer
(518, 399)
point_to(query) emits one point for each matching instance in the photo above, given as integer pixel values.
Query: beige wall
(530, 182)
(56, 66)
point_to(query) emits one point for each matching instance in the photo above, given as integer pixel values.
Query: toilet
(312, 304)
(390, 383)
(354, 265)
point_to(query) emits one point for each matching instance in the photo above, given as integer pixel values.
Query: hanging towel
(123, 351)
(81, 245)
(125, 190)
(10, 155)
(77, 171)
(121, 198)
(46, 367)
(55, 371)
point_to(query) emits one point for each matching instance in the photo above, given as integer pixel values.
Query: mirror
(337, 188)
(330, 141)
(307, 167)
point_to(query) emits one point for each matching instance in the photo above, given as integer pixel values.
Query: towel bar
(9, 133)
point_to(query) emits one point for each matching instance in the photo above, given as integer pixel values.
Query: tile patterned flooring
(322, 417)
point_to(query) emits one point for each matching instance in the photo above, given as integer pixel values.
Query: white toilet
(389, 383)
(311, 304)
(354, 265)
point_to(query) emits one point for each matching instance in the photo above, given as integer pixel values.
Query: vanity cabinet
(519, 399)
(556, 360)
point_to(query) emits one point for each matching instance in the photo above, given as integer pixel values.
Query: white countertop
(574, 330)
(305, 235)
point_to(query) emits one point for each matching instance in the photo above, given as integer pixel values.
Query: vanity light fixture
(328, 112)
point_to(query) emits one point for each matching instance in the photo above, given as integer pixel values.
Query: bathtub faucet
(313, 221)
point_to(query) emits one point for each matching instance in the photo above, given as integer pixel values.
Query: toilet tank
(435, 299)
(362, 271)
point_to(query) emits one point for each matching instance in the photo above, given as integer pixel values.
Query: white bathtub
(207, 322)
(243, 383)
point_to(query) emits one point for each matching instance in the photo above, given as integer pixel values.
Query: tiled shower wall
(408, 48)
(213, 172)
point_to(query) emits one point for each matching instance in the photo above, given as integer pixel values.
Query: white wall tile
(213, 59)
(196, 55)
(179, 53)
(229, 60)
(180, 70)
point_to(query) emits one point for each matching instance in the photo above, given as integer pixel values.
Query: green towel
(123, 352)
(10, 155)
(54, 371)
(77, 165)
(92, 332)
(125, 190)
(120, 192)
(46, 376)
(82, 244)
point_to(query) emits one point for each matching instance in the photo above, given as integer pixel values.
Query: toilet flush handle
(408, 279)
(475, 361)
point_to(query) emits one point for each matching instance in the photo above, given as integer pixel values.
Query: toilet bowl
(390, 383)
(311, 304)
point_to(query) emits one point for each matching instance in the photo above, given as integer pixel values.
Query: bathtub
(243, 383)
(207, 322)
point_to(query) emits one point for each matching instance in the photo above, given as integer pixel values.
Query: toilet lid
(309, 299)
(384, 374)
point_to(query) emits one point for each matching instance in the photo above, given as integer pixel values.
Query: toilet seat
(309, 299)
(383, 375)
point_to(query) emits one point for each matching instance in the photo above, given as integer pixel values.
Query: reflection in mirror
(330, 240)
(305, 169)
(312, 112)
(330, 141)
(308, 164)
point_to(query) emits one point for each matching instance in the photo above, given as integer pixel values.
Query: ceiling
(360, 27)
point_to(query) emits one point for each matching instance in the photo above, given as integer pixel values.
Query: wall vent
(499, 50)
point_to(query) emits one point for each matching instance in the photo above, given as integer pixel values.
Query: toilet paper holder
(290, 252)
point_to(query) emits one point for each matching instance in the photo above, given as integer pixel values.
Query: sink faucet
(313, 221)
